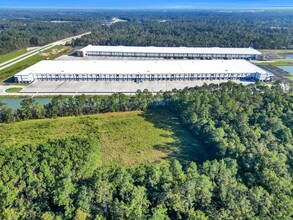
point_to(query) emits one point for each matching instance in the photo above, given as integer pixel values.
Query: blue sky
(149, 4)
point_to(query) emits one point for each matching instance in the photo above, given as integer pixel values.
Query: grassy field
(128, 138)
(279, 62)
(9, 56)
(278, 51)
(10, 71)
(13, 90)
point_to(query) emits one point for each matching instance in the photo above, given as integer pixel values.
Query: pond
(289, 56)
(289, 69)
(14, 103)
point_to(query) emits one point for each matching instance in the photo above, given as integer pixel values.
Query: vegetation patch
(278, 51)
(282, 62)
(54, 52)
(6, 57)
(12, 70)
(128, 138)
(248, 129)
(13, 90)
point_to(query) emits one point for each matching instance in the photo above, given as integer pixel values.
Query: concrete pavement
(4, 87)
(53, 88)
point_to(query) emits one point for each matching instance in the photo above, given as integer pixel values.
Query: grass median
(9, 56)
(14, 69)
(13, 90)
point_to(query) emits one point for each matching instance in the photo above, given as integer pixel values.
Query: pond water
(289, 69)
(289, 56)
(14, 103)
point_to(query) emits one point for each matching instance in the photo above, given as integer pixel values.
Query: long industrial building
(170, 52)
(142, 70)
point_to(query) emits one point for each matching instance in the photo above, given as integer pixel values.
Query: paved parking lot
(108, 87)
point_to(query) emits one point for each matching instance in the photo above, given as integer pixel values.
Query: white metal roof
(141, 67)
(196, 50)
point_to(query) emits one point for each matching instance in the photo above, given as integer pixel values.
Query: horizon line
(167, 8)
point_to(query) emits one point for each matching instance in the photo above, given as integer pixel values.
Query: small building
(142, 70)
(170, 52)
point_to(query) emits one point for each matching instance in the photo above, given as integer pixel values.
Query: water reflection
(14, 103)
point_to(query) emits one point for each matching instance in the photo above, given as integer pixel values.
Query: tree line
(61, 106)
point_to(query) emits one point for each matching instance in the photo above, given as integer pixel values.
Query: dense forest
(29, 28)
(259, 29)
(199, 29)
(248, 130)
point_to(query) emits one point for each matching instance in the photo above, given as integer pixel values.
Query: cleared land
(127, 138)
(55, 52)
(9, 56)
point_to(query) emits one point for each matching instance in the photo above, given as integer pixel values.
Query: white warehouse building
(170, 52)
(142, 70)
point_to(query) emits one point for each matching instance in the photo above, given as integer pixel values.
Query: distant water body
(14, 103)
(289, 56)
(288, 69)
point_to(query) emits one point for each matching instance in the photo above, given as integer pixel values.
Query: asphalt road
(22, 57)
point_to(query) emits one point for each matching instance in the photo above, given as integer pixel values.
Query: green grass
(128, 138)
(283, 62)
(278, 51)
(30, 96)
(9, 56)
(12, 70)
(13, 90)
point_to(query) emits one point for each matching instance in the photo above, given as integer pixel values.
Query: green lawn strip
(277, 63)
(9, 56)
(30, 96)
(15, 96)
(278, 51)
(12, 70)
(13, 90)
(128, 138)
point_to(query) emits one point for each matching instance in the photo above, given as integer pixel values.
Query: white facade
(142, 70)
(171, 52)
